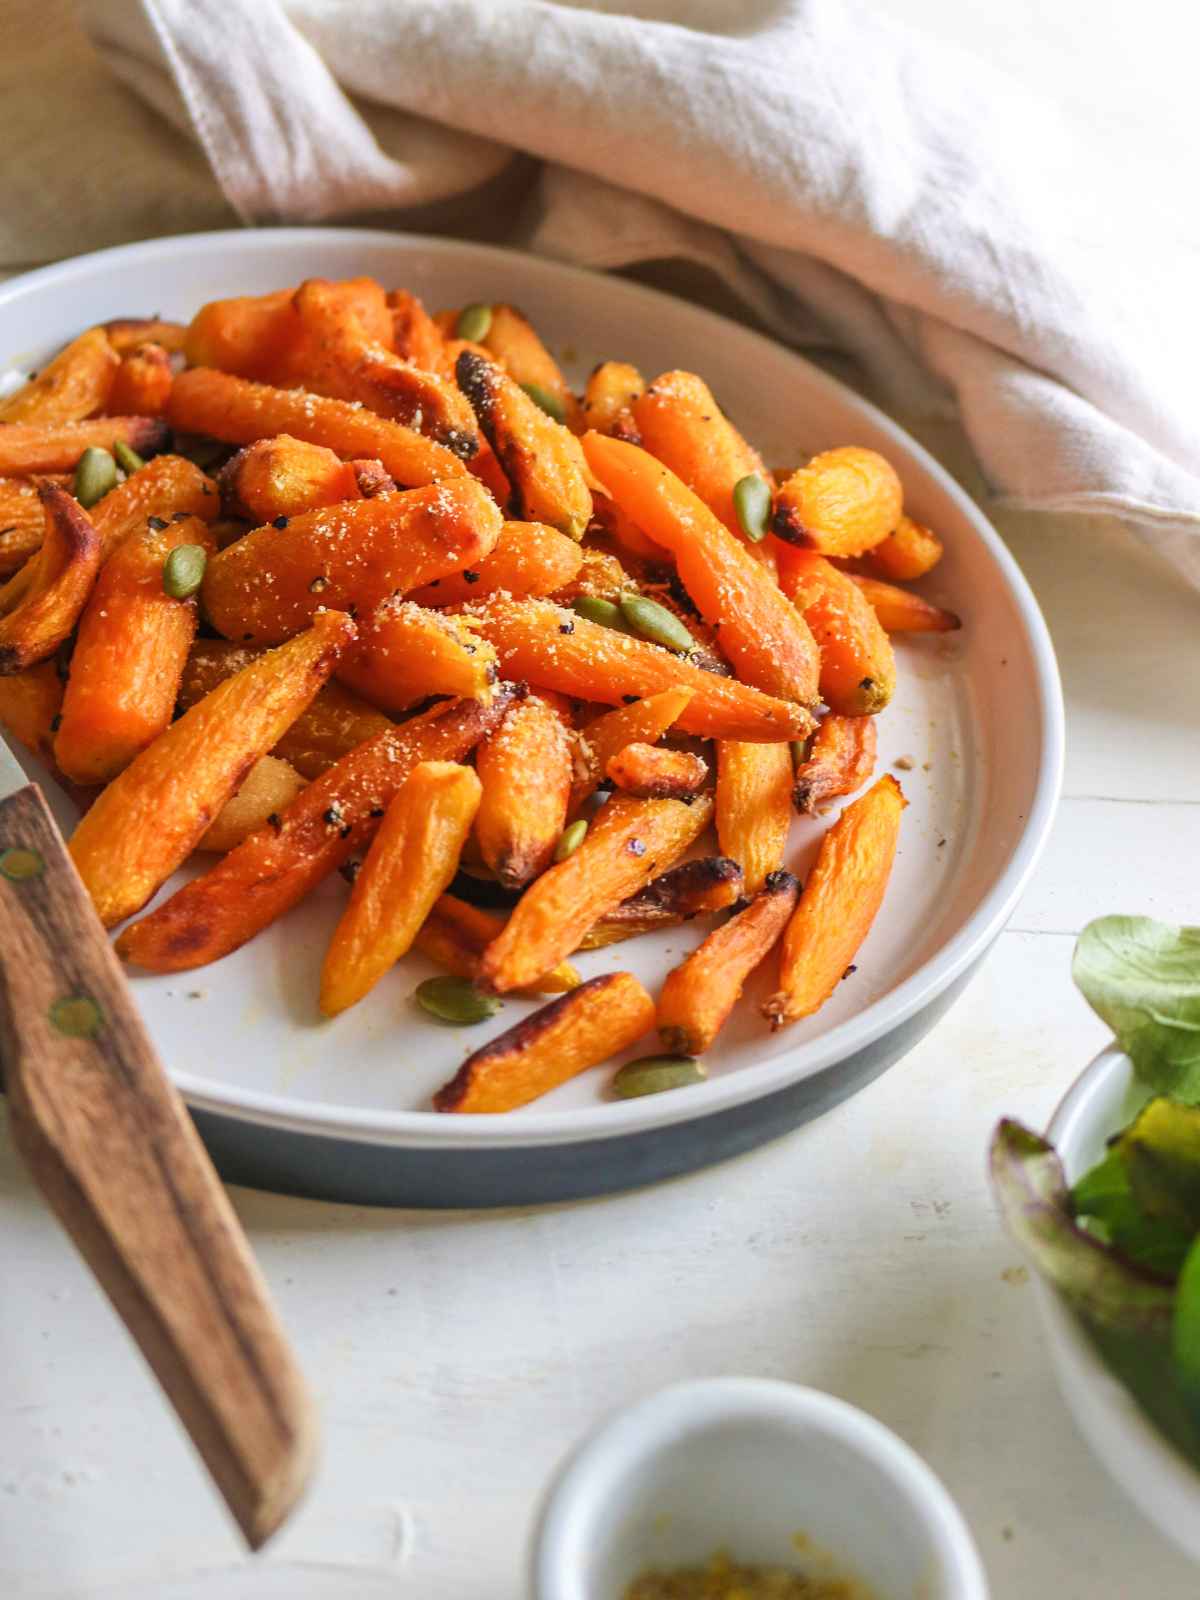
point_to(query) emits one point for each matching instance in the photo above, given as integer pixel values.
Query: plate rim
(426, 1129)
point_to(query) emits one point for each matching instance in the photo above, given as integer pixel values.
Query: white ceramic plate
(1161, 1482)
(979, 713)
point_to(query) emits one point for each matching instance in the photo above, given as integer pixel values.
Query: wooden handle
(112, 1148)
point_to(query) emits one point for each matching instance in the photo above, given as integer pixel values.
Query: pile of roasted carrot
(500, 654)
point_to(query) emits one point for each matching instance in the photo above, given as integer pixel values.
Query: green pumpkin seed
(656, 623)
(547, 399)
(570, 839)
(473, 322)
(604, 612)
(95, 475)
(456, 1000)
(752, 503)
(656, 1074)
(127, 457)
(183, 571)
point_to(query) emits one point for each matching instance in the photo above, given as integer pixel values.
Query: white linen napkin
(974, 247)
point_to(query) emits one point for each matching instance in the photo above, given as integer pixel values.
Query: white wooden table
(457, 1356)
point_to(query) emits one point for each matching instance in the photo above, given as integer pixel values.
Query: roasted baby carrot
(689, 890)
(652, 772)
(644, 721)
(583, 1028)
(754, 806)
(699, 994)
(406, 653)
(264, 336)
(628, 842)
(166, 487)
(528, 558)
(333, 724)
(129, 655)
(514, 342)
(30, 703)
(843, 502)
(272, 581)
(455, 934)
(58, 581)
(283, 477)
(266, 791)
(22, 522)
(27, 447)
(762, 634)
(343, 360)
(553, 648)
(541, 459)
(858, 667)
(840, 759)
(126, 333)
(525, 769)
(152, 815)
(844, 891)
(239, 411)
(902, 611)
(683, 426)
(142, 384)
(276, 866)
(415, 335)
(909, 551)
(74, 385)
(411, 859)
(612, 389)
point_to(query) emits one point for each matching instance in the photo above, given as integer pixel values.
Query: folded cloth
(851, 182)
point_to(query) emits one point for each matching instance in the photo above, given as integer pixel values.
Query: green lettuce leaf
(1143, 978)
(1104, 1198)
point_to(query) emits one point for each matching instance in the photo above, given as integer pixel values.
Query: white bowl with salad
(1107, 1205)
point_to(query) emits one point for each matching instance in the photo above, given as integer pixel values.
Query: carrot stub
(412, 858)
(652, 772)
(627, 844)
(700, 993)
(284, 477)
(840, 900)
(153, 814)
(840, 759)
(406, 653)
(645, 722)
(583, 1028)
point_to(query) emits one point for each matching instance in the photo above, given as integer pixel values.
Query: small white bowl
(760, 1469)
(1163, 1485)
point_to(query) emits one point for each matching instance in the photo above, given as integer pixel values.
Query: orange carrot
(74, 385)
(909, 551)
(858, 668)
(59, 579)
(754, 806)
(840, 759)
(129, 656)
(653, 773)
(525, 769)
(411, 860)
(841, 898)
(700, 993)
(843, 502)
(276, 866)
(763, 636)
(583, 1028)
(527, 559)
(553, 648)
(902, 611)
